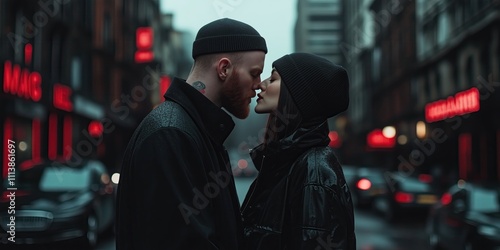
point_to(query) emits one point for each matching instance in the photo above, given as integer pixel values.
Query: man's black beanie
(319, 88)
(227, 35)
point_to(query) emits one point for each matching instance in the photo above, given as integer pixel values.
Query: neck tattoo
(199, 86)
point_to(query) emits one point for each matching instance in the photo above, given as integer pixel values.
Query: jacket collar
(288, 149)
(207, 116)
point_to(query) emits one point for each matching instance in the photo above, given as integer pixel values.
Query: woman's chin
(259, 110)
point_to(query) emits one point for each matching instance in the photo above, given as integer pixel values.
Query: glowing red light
(446, 199)
(21, 82)
(164, 85)
(462, 103)
(53, 138)
(143, 56)
(95, 128)
(62, 97)
(67, 137)
(364, 184)
(144, 38)
(242, 164)
(376, 139)
(402, 197)
(25, 165)
(335, 141)
(28, 53)
(425, 178)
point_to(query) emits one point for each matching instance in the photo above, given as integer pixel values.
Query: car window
(375, 177)
(486, 201)
(411, 184)
(64, 179)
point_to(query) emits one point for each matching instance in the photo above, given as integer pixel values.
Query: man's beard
(232, 98)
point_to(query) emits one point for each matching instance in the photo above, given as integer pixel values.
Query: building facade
(319, 28)
(77, 76)
(432, 75)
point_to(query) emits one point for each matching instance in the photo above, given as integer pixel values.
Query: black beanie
(227, 35)
(319, 88)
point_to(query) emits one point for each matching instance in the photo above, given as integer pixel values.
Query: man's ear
(223, 68)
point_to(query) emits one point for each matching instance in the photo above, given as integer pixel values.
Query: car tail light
(446, 199)
(427, 178)
(402, 197)
(242, 164)
(364, 184)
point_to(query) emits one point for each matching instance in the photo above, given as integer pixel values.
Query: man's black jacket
(176, 190)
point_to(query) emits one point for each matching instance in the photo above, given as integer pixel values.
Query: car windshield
(64, 179)
(54, 178)
(486, 201)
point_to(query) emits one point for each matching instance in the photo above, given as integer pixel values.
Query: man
(176, 190)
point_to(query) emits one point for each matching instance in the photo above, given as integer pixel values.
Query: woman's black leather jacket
(300, 199)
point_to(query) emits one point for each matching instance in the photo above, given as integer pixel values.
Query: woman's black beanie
(227, 35)
(318, 87)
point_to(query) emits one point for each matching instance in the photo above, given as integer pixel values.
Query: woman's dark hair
(285, 120)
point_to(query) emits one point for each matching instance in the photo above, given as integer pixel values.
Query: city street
(372, 232)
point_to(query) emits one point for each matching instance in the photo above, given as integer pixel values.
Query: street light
(420, 129)
(389, 131)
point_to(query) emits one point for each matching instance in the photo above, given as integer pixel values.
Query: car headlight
(488, 231)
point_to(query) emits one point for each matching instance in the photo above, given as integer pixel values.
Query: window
(56, 57)
(469, 72)
(438, 81)
(76, 73)
(376, 61)
(107, 32)
(88, 18)
(323, 18)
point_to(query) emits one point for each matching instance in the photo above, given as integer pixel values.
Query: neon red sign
(62, 97)
(376, 139)
(144, 38)
(21, 82)
(144, 43)
(462, 103)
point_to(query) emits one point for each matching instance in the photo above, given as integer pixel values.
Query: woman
(300, 199)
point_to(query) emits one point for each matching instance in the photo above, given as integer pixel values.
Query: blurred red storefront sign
(377, 139)
(21, 82)
(461, 103)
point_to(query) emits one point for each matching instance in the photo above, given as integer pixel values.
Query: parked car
(350, 172)
(467, 217)
(406, 195)
(56, 201)
(366, 185)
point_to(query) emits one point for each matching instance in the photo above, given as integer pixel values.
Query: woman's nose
(263, 85)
